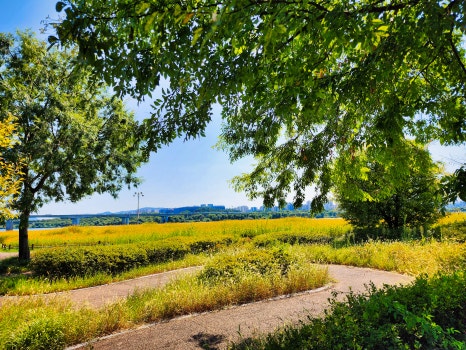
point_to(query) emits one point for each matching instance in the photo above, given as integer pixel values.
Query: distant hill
(145, 210)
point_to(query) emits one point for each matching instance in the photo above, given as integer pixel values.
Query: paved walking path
(98, 296)
(6, 255)
(214, 330)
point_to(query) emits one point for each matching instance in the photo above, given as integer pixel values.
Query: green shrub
(72, 262)
(202, 246)
(232, 267)
(165, 251)
(79, 262)
(42, 334)
(429, 314)
(454, 231)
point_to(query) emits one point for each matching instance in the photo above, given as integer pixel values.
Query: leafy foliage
(42, 334)
(429, 314)
(454, 186)
(300, 83)
(370, 194)
(260, 262)
(10, 179)
(74, 138)
(87, 261)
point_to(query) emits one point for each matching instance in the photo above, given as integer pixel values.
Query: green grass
(21, 320)
(233, 274)
(19, 284)
(413, 258)
(429, 314)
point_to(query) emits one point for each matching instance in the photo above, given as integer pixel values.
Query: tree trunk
(24, 253)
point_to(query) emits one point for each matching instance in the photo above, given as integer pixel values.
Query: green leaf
(59, 6)
(196, 36)
(141, 8)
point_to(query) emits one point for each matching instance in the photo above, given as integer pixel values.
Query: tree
(74, 139)
(395, 201)
(454, 185)
(10, 177)
(300, 82)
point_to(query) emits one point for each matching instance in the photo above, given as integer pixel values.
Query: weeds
(183, 296)
(429, 314)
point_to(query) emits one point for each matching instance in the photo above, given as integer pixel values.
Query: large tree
(300, 82)
(74, 139)
(370, 195)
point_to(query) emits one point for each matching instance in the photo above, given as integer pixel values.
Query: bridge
(125, 217)
(75, 218)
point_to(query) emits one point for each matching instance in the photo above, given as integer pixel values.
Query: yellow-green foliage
(241, 272)
(62, 324)
(453, 227)
(412, 258)
(231, 268)
(218, 230)
(452, 218)
(10, 174)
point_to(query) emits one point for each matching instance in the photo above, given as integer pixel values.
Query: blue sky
(184, 173)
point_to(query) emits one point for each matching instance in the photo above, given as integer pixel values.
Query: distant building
(243, 208)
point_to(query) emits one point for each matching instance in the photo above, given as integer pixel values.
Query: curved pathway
(99, 296)
(214, 330)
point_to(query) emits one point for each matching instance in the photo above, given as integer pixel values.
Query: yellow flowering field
(452, 218)
(218, 230)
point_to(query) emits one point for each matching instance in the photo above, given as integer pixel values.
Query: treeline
(181, 217)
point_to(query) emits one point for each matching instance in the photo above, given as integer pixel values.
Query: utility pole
(139, 194)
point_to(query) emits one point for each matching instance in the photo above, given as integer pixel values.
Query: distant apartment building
(243, 208)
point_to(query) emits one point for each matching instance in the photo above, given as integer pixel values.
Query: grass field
(124, 234)
(243, 261)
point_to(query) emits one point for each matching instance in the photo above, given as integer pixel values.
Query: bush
(86, 261)
(165, 251)
(73, 262)
(429, 314)
(232, 267)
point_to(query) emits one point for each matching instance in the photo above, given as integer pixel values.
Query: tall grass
(61, 324)
(413, 258)
(51, 324)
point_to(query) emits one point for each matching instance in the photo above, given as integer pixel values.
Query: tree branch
(456, 54)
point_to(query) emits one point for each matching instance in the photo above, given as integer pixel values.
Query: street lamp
(139, 194)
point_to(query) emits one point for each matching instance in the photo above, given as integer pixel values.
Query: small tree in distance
(74, 139)
(375, 198)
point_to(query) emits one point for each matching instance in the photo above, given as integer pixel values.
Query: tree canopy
(74, 139)
(369, 196)
(300, 83)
